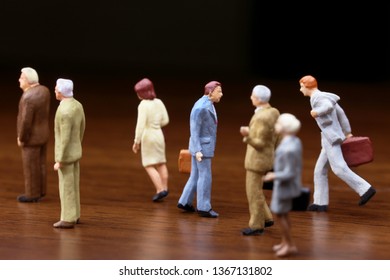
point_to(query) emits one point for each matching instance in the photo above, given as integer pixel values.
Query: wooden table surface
(120, 221)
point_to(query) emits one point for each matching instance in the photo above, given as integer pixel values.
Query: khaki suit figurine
(261, 141)
(33, 134)
(69, 128)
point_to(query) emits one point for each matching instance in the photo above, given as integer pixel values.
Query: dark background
(218, 38)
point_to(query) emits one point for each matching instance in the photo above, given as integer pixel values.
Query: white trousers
(331, 155)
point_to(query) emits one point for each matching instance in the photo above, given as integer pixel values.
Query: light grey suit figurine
(287, 179)
(335, 128)
(203, 135)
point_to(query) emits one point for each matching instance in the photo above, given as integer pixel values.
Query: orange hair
(309, 81)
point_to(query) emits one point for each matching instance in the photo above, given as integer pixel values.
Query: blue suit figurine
(203, 135)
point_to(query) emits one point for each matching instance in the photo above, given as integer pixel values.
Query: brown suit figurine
(33, 134)
(261, 141)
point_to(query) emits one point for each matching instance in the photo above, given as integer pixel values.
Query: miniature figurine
(287, 179)
(33, 134)
(203, 136)
(149, 137)
(335, 128)
(69, 128)
(261, 141)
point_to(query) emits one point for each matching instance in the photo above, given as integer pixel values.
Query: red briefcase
(357, 150)
(184, 161)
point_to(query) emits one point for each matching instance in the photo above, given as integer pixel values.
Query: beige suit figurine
(69, 131)
(261, 141)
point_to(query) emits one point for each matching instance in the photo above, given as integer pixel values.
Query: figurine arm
(322, 107)
(26, 123)
(344, 122)
(141, 122)
(65, 131)
(165, 116)
(196, 120)
(289, 170)
(258, 135)
(82, 127)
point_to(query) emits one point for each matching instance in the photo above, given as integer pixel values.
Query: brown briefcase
(184, 161)
(357, 150)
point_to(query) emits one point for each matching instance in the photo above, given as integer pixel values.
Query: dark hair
(145, 89)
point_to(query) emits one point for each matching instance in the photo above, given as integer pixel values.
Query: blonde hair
(31, 75)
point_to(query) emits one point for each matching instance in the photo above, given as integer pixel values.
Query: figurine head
(64, 87)
(144, 89)
(209, 87)
(214, 91)
(27, 78)
(262, 93)
(308, 82)
(287, 124)
(30, 74)
(308, 85)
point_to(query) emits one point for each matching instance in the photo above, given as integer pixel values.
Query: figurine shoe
(268, 223)
(208, 214)
(187, 207)
(367, 196)
(63, 224)
(23, 198)
(249, 231)
(159, 196)
(318, 208)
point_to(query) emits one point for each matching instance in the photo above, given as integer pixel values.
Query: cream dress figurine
(149, 137)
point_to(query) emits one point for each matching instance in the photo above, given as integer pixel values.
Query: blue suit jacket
(203, 127)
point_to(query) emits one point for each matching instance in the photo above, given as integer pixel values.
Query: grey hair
(289, 123)
(31, 75)
(262, 92)
(65, 87)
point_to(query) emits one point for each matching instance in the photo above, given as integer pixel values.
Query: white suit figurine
(335, 128)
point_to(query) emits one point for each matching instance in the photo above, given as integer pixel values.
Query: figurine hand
(244, 130)
(135, 148)
(349, 135)
(20, 144)
(270, 176)
(199, 156)
(57, 166)
(313, 114)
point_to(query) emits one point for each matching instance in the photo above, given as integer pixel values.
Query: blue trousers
(199, 183)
